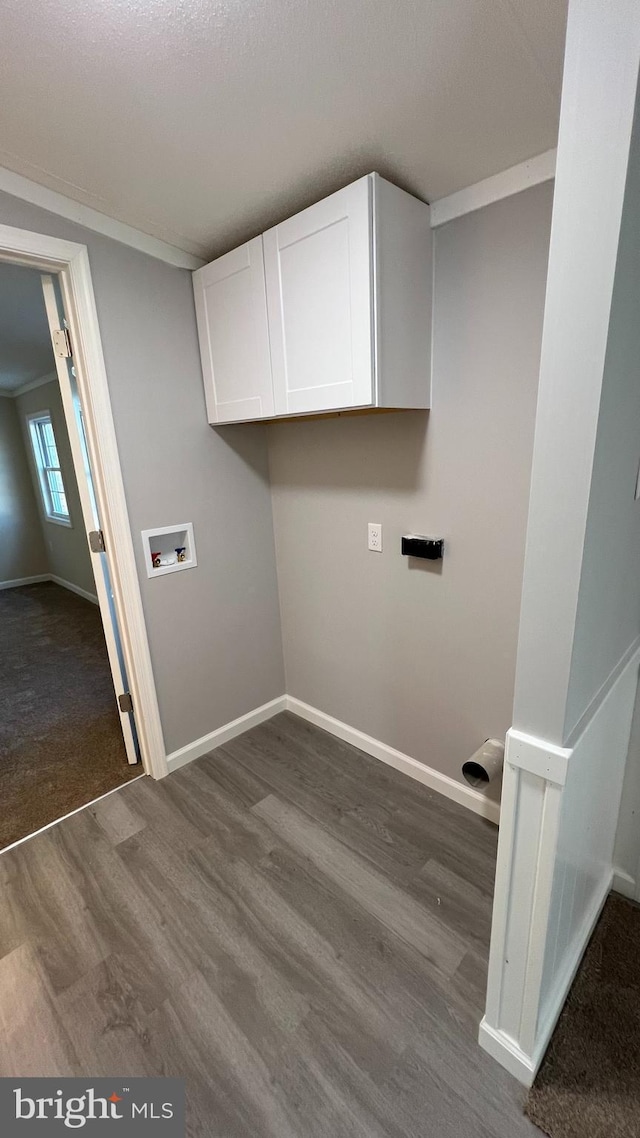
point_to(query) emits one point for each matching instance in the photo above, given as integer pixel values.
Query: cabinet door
(231, 310)
(318, 270)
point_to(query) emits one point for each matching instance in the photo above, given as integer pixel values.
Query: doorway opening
(78, 711)
(63, 741)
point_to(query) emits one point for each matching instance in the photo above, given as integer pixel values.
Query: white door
(318, 269)
(231, 310)
(99, 561)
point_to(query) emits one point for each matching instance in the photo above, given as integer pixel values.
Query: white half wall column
(554, 872)
(534, 776)
(579, 634)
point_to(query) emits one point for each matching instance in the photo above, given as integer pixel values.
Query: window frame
(44, 468)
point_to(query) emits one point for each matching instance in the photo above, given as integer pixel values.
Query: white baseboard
(17, 581)
(505, 1050)
(50, 577)
(441, 783)
(624, 883)
(224, 734)
(74, 589)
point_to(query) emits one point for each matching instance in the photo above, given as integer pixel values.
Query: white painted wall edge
(50, 577)
(60, 204)
(541, 168)
(603, 692)
(441, 783)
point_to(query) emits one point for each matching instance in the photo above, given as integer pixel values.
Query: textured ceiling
(25, 344)
(204, 121)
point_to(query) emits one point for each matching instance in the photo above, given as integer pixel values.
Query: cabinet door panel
(231, 310)
(318, 271)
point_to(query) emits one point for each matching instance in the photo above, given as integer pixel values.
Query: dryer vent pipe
(485, 764)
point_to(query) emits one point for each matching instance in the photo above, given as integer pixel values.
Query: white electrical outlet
(375, 537)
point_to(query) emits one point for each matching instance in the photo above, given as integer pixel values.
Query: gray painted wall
(22, 551)
(608, 611)
(214, 630)
(423, 656)
(66, 547)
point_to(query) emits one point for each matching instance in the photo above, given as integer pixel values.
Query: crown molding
(542, 168)
(54, 202)
(50, 377)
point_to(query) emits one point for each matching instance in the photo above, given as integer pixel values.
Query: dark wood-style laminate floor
(298, 930)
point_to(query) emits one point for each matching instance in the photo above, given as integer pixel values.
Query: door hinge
(125, 702)
(62, 342)
(96, 541)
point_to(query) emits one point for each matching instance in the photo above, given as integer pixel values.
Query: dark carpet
(589, 1083)
(60, 739)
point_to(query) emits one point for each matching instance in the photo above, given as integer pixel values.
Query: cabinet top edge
(373, 180)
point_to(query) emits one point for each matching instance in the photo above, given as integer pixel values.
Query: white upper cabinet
(319, 282)
(231, 310)
(328, 311)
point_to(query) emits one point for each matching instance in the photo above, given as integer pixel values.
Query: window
(45, 452)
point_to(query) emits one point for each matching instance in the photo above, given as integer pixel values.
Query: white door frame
(84, 482)
(70, 262)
